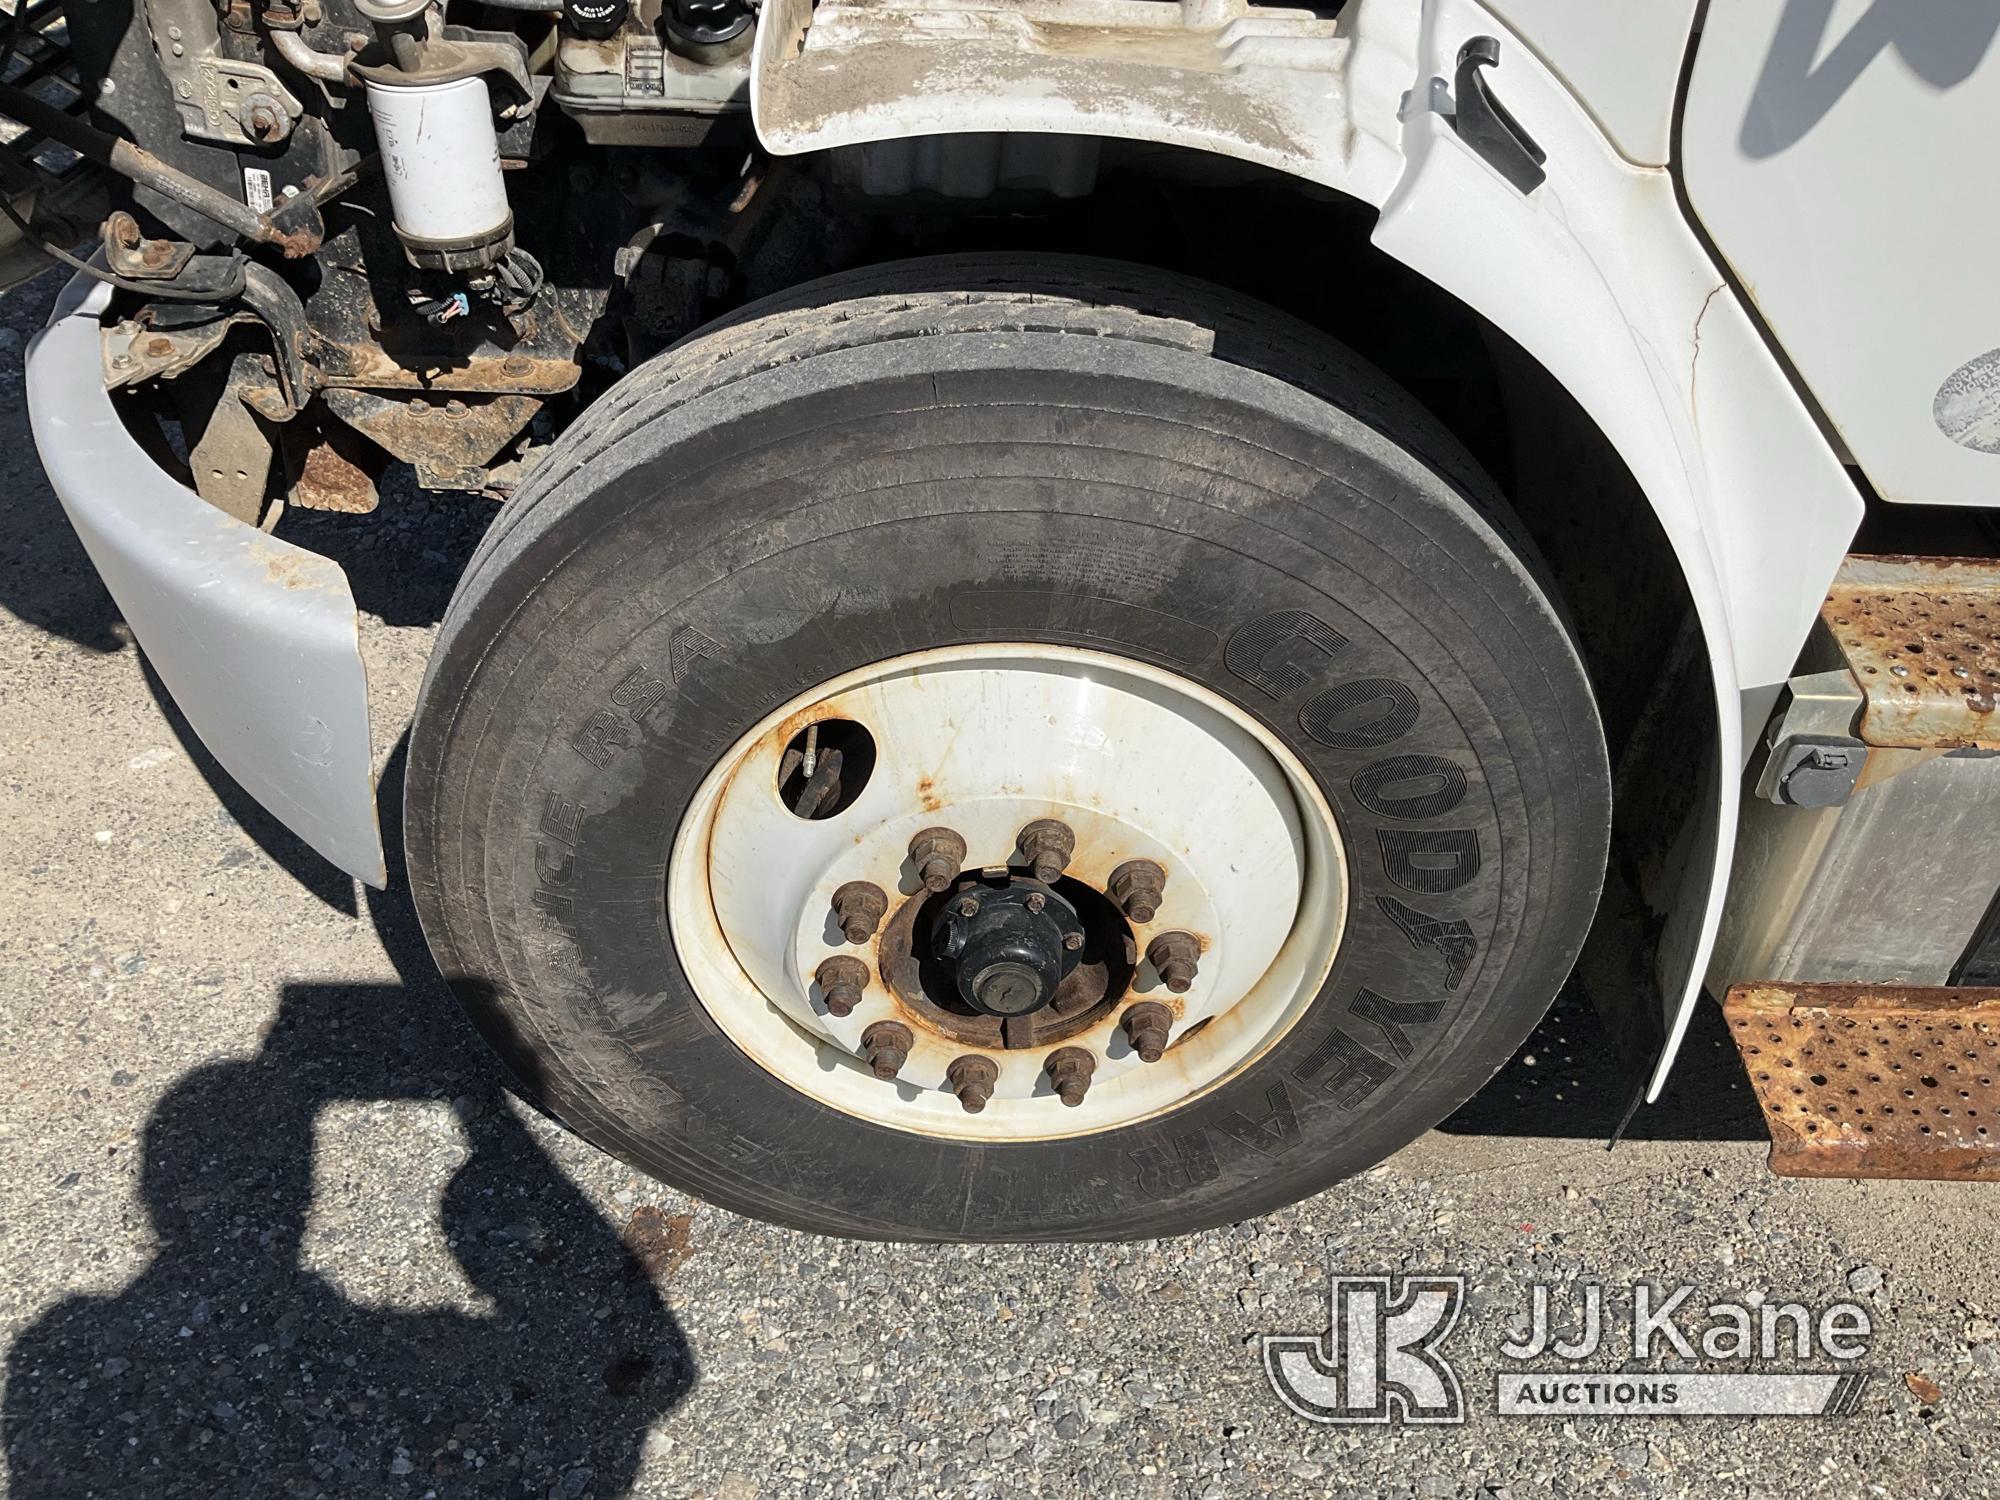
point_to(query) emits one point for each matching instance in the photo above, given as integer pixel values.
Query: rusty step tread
(1921, 636)
(1873, 1080)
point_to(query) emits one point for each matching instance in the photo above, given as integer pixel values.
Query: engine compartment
(454, 262)
(346, 234)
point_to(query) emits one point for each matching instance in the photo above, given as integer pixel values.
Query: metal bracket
(231, 460)
(449, 443)
(452, 52)
(270, 297)
(219, 98)
(135, 354)
(131, 255)
(1814, 759)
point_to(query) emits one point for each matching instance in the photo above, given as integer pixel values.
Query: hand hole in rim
(825, 767)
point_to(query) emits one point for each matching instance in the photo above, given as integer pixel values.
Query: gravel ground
(269, 1224)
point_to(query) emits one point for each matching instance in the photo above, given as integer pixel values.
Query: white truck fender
(1596, 273)
(256, 639)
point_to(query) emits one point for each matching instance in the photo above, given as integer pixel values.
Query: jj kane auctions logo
(1382, 1358)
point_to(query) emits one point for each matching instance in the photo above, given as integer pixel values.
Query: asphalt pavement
(270, 1223)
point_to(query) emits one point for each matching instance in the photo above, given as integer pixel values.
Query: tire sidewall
(1225, 526)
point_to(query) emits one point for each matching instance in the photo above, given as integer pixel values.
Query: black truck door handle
(1483, 123)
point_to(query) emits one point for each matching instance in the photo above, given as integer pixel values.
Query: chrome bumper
(255, 638)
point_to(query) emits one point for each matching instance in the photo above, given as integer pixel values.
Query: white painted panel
(1840, 154)
(1600, 278)
(1622, 58)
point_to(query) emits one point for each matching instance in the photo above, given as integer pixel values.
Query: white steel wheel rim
(1139, 762)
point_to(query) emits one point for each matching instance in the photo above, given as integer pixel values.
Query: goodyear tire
(1136, 483)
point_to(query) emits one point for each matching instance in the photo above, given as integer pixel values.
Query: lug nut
(1069, 1070)
(886, 1045)
(1072, 941)
(1047, 845)
(859, 908)
(972, 1078)
(1137, 886)
(968, 906)
(938, 854)
(1146, 1026)
(841, 981)
(1173, 956)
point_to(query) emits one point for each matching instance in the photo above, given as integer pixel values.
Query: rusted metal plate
(449, 443)
(1922, 637)
(329, 480)
(1873, 1080)
(357, 340)
(429, 370)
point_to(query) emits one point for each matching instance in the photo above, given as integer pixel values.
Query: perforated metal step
(1922, 637)
(1873, 1080)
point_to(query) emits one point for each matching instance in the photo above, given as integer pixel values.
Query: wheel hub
(925, 984)
(1064, 879)
(1010, 944)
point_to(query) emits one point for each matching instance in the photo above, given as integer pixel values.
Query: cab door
(1840, 154)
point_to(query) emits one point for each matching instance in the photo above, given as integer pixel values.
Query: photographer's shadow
(230, 1367)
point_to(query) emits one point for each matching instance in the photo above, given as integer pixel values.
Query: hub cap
(1018, 868)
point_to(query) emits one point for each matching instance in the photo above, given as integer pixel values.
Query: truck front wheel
(1004, 749)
